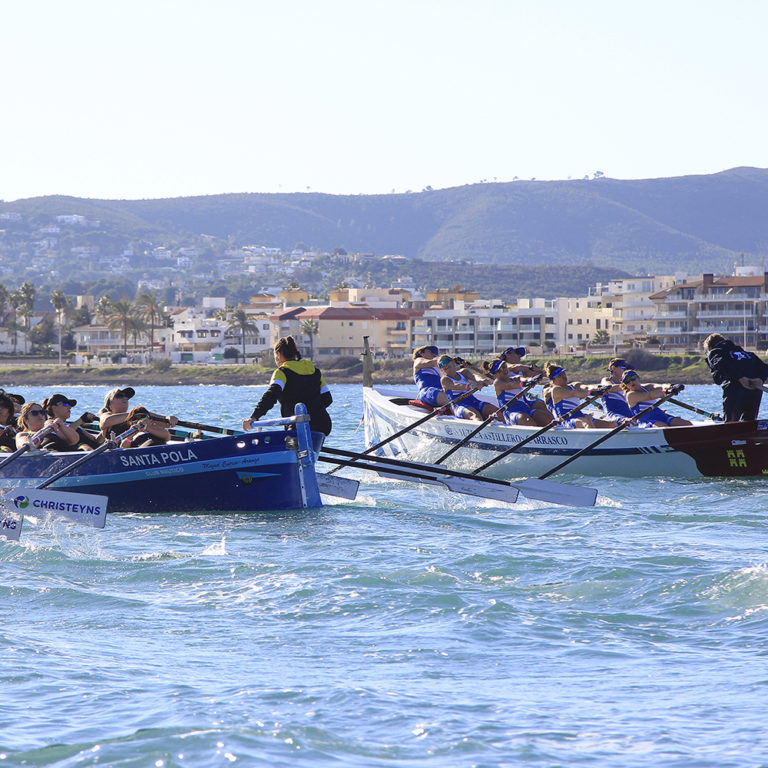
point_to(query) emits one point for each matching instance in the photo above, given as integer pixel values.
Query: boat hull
(251, 472)
(708, 449)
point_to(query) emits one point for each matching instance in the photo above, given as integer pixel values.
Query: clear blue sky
(159, 98)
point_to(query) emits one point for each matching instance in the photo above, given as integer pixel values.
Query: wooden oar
(517, 446)
(672, 392)
(681, 404)
(548, 491)
(487, 421)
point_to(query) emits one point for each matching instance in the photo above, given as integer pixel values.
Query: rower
(639, 398)
(564, 397)
(7, 424)
(59, 406)
(512, 356)
(33, 418)
(614, 403)
(114, 419)
(427, 376)
(455, 383)
(520, 412)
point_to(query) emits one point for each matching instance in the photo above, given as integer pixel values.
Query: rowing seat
(421, 404)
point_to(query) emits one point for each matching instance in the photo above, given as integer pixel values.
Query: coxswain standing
(741, 374)
(295, 381)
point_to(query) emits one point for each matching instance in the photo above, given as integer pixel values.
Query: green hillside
(691, 223)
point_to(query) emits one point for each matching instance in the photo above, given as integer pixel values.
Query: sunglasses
(36, 412)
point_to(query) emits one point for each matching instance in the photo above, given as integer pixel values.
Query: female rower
(427, 376)
(639, 398)
(295, 381)
(513, 356)
(520, 412)
(114, 419)
(33, 418)
(455, 383)
(59, 406)
(7, 424)
(564, 397)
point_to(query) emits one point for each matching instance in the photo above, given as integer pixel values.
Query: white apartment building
(485, 328)
(629, 299)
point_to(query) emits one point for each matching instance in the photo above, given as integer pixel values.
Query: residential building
(735, 306)
(339, 330)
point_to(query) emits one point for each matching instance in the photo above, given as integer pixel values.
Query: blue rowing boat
(269, 469)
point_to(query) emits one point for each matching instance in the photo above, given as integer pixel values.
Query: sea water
(411, 627)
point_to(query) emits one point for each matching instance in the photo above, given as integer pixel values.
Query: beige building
(325, 333)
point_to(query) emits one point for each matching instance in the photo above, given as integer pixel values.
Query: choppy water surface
(411, 627)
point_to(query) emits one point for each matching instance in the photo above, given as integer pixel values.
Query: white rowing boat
(708, 448)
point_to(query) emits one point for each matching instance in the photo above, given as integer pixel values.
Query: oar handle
(487, 421)
(599, 392)
(674, 391)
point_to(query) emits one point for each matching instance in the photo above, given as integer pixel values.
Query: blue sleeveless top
(428, 377)
(565, 405)
(615, 405)
(651, 417)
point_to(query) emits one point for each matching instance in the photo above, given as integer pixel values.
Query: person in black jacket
(741, 374)
(295, 381)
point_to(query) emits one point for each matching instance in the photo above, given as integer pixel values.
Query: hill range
(689, 223)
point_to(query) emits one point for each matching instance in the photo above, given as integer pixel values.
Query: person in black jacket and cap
(741, 374)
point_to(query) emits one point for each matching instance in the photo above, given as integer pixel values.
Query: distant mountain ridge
(691, 223)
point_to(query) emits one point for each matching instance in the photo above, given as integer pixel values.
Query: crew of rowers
(442, 379)
(50, 426)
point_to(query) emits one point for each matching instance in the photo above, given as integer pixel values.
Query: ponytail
(286, 346)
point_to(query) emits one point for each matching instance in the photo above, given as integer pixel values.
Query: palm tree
(310, 328)
(3, 302)
(120, 316)
(151, 309)
(14, 301)
(27, 307)
(136, 325)
(103, 306)
(239, 321)
(60, 303)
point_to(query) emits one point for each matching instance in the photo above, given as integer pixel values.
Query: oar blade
(504, 492)
(83, 508)
(557, 493)
(10, 524)
(333, 485)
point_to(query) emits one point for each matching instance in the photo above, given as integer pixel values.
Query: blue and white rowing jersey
(518, 406)
(652, 417)
(565, 405)
(428, 377)
(615, 406)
